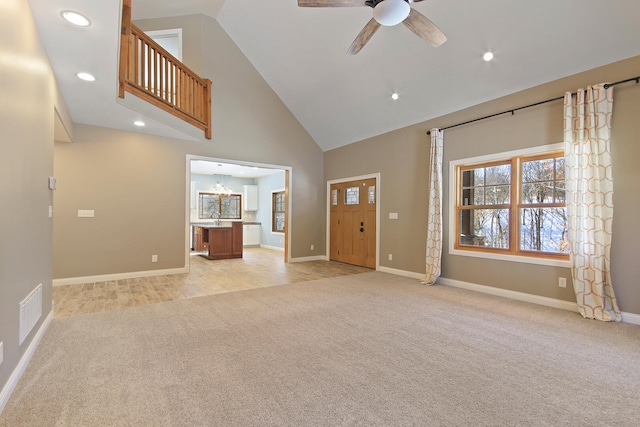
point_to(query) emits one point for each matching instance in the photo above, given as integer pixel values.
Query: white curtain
(434, 224)
(589, 186)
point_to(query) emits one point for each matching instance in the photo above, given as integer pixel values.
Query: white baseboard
(309, 258)
(11, 384)
(118, 276)
(631, 318)
(520, 296)
(404, 273)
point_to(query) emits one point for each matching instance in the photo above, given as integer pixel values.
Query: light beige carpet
(368, 349)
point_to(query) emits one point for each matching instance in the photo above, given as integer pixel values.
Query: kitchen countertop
(251, 223)
(211, 225)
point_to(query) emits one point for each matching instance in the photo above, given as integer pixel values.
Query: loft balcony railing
(153, 74)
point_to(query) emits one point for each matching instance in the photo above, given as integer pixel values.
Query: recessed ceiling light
(75, 18)
(487, 56)
(139, 123)
(86, 77)
(395, 96)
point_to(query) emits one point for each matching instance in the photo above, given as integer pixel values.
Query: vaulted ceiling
(340, 99)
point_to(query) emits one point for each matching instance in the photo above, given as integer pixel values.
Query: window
(278, 212)
(219, 206)
(512, 206)
(352, 196)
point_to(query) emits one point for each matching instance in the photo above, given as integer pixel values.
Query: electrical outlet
(312, 247)
(390, 257)
(1, 353)
(154, 258)
(562, 282)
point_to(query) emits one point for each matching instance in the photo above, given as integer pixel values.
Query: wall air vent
(30, 312)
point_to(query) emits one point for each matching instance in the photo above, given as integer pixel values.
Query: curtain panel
(589, 192)
(434, 219)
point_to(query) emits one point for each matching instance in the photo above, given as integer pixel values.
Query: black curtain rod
(513, 110)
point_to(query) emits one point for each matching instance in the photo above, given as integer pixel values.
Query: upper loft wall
(191, 37)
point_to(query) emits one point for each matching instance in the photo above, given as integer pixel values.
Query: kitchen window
(219, 206)
(511, 206)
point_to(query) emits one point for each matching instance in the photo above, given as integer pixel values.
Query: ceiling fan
(388, 13)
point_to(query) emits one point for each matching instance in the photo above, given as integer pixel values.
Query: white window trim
(452, 206)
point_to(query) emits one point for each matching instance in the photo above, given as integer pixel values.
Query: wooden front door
(353, 222)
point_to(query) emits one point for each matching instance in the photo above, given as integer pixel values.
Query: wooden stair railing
(153, 74)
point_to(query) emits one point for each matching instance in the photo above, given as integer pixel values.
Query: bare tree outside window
(515, 205)
(278, 212)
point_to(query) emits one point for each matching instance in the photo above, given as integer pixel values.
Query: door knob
(361, 229)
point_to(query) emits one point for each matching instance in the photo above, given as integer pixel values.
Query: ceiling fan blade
(424, 28)
(330, 3)
(363, 37)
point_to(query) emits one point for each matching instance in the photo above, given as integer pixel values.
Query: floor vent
(30, 312)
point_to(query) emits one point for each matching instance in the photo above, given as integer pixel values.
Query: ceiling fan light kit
(387, 13)
(391, 12)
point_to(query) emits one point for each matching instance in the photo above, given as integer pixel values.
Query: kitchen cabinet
(219, 242)
(250, 198)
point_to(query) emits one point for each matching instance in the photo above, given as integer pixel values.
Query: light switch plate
(52, 183)
(393, 215)
(86, 213)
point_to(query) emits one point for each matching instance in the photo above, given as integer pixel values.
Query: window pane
(497, 194)
(486, 186)
(279, 201)
(230, 207)
(560, 169)
(485, 227)
(352, 196)
(478, 196)
(278, 221)
(278, 211)
(544, 229)
(500, 174)
(209, 206)
(543, 181)
(334, 197)
(537, 192)
(372, 194)
(538, 170)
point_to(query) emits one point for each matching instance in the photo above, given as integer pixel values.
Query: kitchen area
(231, 209)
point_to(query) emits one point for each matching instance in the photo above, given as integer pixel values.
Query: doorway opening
(243, 192)
(353, 220)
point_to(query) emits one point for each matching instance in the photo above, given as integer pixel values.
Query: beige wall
(27, 103)
(401, 158)
(136, 183)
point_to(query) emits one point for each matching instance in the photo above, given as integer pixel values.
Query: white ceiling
(206, 167)
(340, 99)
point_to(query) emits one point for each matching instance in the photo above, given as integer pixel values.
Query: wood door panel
(353, 226)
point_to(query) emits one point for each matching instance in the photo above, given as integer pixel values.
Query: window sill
(513, 258)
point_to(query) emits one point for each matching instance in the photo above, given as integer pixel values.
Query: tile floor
(258, 268)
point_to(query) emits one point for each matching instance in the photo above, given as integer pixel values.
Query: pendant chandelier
(219, 188)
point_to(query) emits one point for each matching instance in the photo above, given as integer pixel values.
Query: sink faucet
(216, 215)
